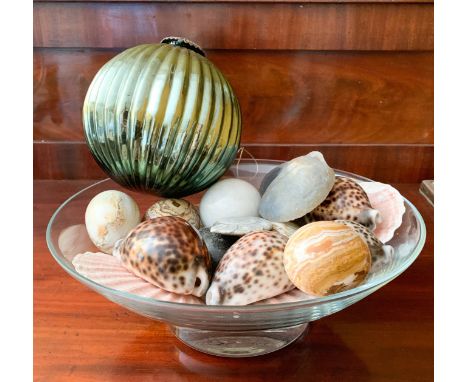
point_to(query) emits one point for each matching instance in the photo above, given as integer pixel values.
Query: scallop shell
(108, 271)
(73, 240)
(294, 295)
(389, 202)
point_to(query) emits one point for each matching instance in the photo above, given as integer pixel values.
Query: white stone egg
(229, 198)
(109, 217)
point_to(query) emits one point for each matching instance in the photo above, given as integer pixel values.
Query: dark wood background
(353, 79)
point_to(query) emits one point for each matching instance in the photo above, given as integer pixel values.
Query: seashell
(217, 244)
(294, 295)
(326, 257)
(241, 226)
(108, 271)
(169, 253)
(175, 207)
(251, 270)
(73, 240)
(286, 229)
(377, 248)
(229, 198)
(270, 177)
(110, 215)
(346, 201)
(296, 189)
(391, 205)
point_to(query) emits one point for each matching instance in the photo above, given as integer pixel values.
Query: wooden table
(80, 336)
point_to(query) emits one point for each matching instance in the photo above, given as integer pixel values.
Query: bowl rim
(377, 282)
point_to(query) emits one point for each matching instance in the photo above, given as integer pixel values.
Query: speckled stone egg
(109, 217)
(251, 270)
(175, 207)
(169, 253)
(346, 201)
(229, 198)
(326, 257)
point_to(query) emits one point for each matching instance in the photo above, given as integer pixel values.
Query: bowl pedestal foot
(238, 343)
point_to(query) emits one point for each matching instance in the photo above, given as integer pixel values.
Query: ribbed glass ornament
(161, 118)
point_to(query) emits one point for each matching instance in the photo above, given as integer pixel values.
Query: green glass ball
(161, 118)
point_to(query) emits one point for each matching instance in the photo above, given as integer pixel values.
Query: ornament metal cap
(184, 43)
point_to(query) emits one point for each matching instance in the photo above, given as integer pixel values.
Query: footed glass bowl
(230, 331)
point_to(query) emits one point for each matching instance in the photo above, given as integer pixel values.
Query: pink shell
(73, 240)
(291, 296)
(389, 202)
(107, 270)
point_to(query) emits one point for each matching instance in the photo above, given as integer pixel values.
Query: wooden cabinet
(351, 78)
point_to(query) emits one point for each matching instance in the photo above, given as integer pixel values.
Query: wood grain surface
(240, 1)
(305, 26)
(80, 336)
(384, 163)
(285, 97)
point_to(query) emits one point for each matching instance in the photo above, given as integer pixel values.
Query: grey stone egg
(217, 244)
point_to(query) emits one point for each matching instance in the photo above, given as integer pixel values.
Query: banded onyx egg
(326, 257)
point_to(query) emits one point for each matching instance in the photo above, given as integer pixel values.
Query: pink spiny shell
(389, 202)
(107, 270)
(291, 296)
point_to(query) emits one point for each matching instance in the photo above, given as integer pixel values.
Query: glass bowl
(230, 331)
